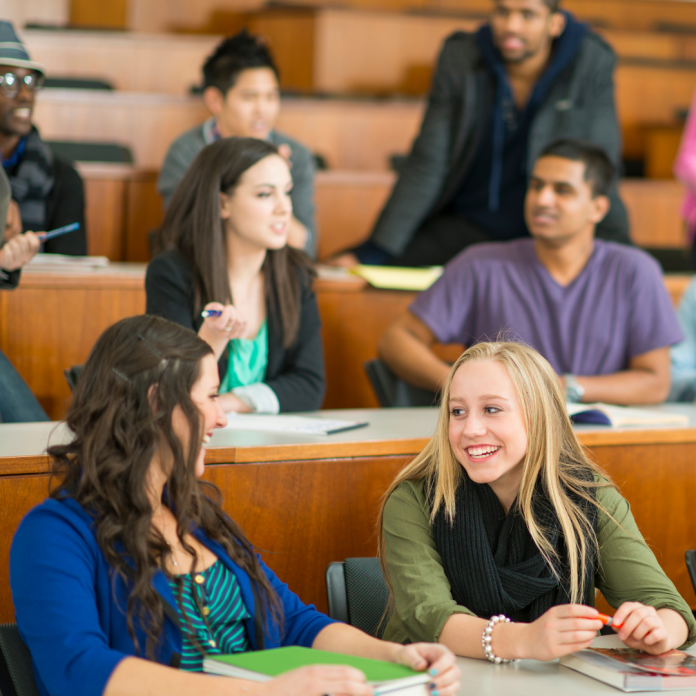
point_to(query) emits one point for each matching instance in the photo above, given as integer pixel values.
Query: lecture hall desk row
(642, 15)
(392, 50)
(51, 321)
(212, 16)
(122, 207)
(306, 501)
(350, 133)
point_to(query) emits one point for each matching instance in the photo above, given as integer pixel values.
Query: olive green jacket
(627, 569)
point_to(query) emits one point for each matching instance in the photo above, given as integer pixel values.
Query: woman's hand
(559, 631)
(19, 251)
(438, 660)
(218, 331)
(230, 324)
(643, 628)
(317, 680)
(231, 402)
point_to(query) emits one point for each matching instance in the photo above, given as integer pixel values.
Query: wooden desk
(132, 62)
(123, 206)
(307, 501)
(76, 309)
(351, 134)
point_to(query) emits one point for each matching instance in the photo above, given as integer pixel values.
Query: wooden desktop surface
(306, 501)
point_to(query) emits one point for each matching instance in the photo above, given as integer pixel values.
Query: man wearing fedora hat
(46, 191)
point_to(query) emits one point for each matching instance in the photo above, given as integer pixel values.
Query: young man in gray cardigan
(498, 97)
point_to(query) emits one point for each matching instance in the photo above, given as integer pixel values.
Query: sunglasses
(11, 84)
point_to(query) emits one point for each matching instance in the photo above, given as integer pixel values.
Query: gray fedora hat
(13, 52)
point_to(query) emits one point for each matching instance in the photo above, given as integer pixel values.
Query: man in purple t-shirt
(597, 311)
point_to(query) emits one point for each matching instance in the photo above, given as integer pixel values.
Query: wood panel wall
(75, 311)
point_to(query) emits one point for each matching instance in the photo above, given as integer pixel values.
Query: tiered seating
(357, 137)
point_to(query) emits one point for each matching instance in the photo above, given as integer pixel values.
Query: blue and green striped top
(218, 626)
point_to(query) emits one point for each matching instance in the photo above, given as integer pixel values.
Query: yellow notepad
(398, 278)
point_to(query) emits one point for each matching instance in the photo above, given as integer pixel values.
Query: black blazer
(295, 374)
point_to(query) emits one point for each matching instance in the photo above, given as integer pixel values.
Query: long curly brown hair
(138, 372)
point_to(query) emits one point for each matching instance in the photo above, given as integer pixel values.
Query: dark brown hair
(600, 172)
(193, 227)
(138, 372)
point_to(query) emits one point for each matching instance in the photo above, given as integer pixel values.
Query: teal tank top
(248, 360)
(212, 603)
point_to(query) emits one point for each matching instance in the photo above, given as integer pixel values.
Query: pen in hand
(211, 313)
(608, 620)
(59, 232)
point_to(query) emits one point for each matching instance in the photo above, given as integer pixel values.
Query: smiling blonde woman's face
(487, 429)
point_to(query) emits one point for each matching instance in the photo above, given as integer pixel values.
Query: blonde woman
(496, 536)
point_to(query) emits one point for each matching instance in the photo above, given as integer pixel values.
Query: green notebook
(263, 665)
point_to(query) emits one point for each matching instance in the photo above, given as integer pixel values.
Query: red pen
(608, 620)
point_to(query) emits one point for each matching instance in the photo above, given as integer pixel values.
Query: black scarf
(491, 560)
(32, 180)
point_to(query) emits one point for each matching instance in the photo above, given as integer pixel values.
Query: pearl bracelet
(486, 639)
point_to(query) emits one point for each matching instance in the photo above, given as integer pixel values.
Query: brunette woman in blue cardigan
(131, 572)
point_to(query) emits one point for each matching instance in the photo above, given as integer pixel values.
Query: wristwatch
(573, 391)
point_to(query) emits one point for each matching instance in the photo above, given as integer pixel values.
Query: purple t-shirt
(616, 309)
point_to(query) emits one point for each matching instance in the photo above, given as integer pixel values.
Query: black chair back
(83, 151)
(16, 671)
(71, 376)
(690, 557)
(358, 594)
(392, 392)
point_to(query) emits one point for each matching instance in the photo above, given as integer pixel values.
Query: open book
(620, 416)
(263, 665)
(632, 670)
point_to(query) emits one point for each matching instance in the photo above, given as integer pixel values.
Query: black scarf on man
(491, 561)
(32, 180)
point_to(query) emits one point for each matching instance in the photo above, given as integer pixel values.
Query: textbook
(398, 278)
(264, 665)
(620, 416)
(632, 670)
(290, 424)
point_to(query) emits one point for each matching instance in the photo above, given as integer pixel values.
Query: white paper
(288, 424)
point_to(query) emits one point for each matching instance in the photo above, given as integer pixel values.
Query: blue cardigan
(71, 613)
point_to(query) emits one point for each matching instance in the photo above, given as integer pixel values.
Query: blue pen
(211, 313)
(60, 231)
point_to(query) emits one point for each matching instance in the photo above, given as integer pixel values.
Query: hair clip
(120, 374)
(152, 348)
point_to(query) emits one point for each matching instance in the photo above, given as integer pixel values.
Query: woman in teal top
(225, 234)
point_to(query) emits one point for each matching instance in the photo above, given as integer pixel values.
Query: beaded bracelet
(486, 639)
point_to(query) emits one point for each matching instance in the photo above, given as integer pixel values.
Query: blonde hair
(554, 457)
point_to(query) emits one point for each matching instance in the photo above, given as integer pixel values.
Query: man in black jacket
(530, 76)
(46, 192)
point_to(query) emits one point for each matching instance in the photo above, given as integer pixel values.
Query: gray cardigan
(187, 146)
(580, 104)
